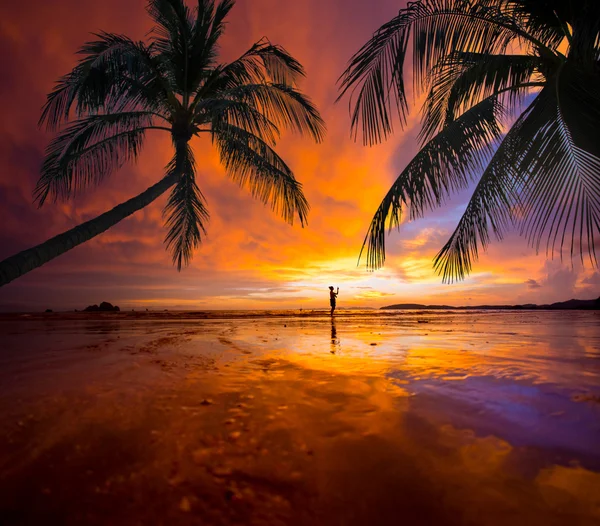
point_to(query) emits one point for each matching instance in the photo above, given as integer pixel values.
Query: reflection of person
(332, 298)
(334, 340)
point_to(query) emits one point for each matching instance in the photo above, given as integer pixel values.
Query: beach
(369, 417)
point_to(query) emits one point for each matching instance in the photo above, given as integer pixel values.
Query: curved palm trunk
(13, 267)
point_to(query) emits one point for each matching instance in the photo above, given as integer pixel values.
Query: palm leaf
(585, 42)
(438, 28)
(444, 165)
(171, 38)
(539, 171)
(263, 63)
(283, 105)
(561, 195)
(115, 74)
(492, 205)
(185, 213)
(578, 94)
(218, 112)
(174, 21)
(208, 29)
(545, 19)
(89, 150)
(463, 79)
(253, 164)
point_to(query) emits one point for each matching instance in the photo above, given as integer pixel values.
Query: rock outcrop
(103, 307)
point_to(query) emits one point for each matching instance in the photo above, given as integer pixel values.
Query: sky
(250, 258)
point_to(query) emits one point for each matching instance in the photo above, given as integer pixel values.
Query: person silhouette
(332, 298)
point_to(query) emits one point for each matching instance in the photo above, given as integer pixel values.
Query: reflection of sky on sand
(525, 415)
(473, 419)
(518, 384)
(512, 380)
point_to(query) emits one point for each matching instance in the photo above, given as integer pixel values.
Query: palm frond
(578, 93)
(444, 165)
(174, 23)
(185, 213)
(438, 28)
(546, 20)
(171, 38)
(554, 21)
(540, 173)
(463, 79)
(561, 195)
(115, 74)
(263, 63)
(208, 28)
(585, 41)
(219, 112)
(89, 150)
(253, 164)
(283, 105)
(217, 23)
(492, 206)
(280, 66)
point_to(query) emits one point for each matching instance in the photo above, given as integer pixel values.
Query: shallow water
(295, 418)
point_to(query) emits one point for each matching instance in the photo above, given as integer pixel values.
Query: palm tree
(121, 89)
(512, 102)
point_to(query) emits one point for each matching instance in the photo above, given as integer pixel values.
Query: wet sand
(372, 418)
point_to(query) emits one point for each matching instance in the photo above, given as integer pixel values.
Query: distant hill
(561, 305)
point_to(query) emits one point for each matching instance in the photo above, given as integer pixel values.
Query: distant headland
(561, 305)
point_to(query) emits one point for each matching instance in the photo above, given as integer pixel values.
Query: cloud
(532, 284)
(373, 294)
(594, 279)
(560, 279)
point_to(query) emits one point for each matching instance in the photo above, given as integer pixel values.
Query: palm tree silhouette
(121, 89)
(529, 65)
